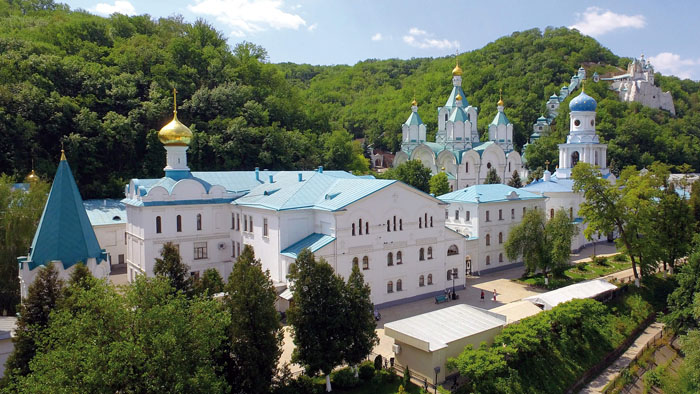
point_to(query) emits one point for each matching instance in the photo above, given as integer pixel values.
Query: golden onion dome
(457, 71)
(175, 133)
(32, 177)
(459, 97)
(500, 102)
(414, 103)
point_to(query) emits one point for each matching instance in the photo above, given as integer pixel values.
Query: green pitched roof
(452, 100)
(458, 115)
(500, 118)
(64, 233)
(413, 119)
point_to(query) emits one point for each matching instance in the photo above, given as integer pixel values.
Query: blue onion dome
(583, 102)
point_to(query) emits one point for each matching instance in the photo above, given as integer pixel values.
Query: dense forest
(101, 88)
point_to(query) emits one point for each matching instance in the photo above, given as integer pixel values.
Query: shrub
(602, 261)
(382, 377)
(620, 257)
(301, 385)
(344, 378)
(366, 370)
(406, 376)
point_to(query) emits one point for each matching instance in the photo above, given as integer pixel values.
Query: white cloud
(377, 37)
(421, 39)
(312, 27)
(119, 6)
(596, 21)
(671, 64)
(249, 16)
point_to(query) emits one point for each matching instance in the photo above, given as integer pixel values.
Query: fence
(652, 343)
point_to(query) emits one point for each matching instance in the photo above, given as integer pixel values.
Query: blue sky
(345, 32)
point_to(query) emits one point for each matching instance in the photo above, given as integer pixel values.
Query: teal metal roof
(479, 194)
(413, 119)
(500, 118)
(104, 212)
(313, 242)
(481, 147)
(64, 232)
(541, 119)
(435, 147)
(452, 100)
(554, 185)
(554, 97)
(583, 102)
(458, 115)
(314, 191)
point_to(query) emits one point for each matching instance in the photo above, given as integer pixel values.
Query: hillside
(101, 87)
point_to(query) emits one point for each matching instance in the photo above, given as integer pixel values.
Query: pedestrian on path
(494, 295)
(482, 296)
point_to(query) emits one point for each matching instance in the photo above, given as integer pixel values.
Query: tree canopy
(439, 184)
(412, 173)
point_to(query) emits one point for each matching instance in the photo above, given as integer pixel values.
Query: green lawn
(580, 272)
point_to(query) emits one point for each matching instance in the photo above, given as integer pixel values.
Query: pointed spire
(583, 86)
(500, 97)
(175, 102)
(63, 155)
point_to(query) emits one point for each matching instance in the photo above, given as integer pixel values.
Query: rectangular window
(468, 216)
(250, 223)
(238, 248)
(500, 214)
(233, 221)
(238, 222)
(121, 259)
(488, 214)
(264, 227)
(447, 214)
(200, 250)
(245, 223)
(456, 214)
(512, 214)
(233, 249)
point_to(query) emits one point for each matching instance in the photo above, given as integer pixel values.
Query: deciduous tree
(439, 184)
(413, 173)
(171, 267)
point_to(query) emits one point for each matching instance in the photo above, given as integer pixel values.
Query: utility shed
(426, 341)
(8, 325)
(596, 288)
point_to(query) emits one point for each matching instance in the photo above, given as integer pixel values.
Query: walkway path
(597, 385)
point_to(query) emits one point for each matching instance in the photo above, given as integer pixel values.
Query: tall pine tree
(360, 319)
(320, 326)
(515, 181)
(43, 295)
(492, 177)
(255, 332)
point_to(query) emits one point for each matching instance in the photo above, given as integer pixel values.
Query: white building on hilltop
(457, 150)
(582, 144)
(637, 85)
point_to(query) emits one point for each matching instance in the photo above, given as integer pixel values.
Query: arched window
(426, 220)
(355, 262)
(399, 285)
(430, 279)
(571, 213)
(508, 166)
(360, 227)
(449, 274)
(551, 213)
(430, 252)
(595, 158)
(366, 228)
(420, 222)
(389, 259)
(500, 238)
(524, 210)
(488, 165)
(488, 260)
(421, 254)
(445, 117)
(388, 226)
(488, 239)
(500, 214)
(500, 257)
(456, 214)
(199, 222)
(365, 263)
(353, 229)
(512, 213)
(390, 287)
(488, 216)
(400, 224)
(452, 250)
(431, 221)
(158, 228)
(421, 281)
(399, 259)
(468, 218)
(178, 223)
(466, 167)
(574, 159)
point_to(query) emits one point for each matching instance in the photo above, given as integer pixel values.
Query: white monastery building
(637, 85)
(582, 144)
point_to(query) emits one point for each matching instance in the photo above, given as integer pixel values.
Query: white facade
(637, 85)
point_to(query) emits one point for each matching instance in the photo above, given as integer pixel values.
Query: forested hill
(102, 88)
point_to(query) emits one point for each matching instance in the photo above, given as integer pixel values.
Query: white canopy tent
(589, 289)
